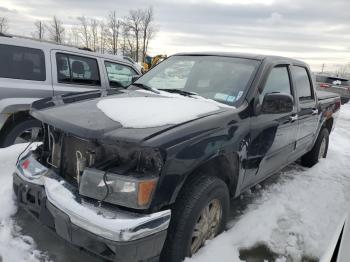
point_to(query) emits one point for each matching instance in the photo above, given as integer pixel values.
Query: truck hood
(127, 115)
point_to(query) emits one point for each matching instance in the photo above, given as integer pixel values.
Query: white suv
(32, 69)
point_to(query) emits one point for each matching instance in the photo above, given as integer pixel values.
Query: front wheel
(319, 150)
(199, 214)
(344, 100)
(21, 132)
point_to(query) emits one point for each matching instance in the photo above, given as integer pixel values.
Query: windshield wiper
(145, 87)
(179, 91)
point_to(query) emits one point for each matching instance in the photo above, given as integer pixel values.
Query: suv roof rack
(41, 40)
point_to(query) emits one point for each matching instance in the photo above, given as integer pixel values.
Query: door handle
(293, 118)
(314, 111)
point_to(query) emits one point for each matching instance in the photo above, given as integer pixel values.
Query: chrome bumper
(110, 223)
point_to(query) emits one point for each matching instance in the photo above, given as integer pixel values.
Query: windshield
(224, 79)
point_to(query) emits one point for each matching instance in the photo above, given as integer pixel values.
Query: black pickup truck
(148, 172)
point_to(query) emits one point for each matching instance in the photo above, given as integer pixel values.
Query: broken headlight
(130, 184)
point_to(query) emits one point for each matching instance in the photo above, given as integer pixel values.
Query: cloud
(7, 10)
(316, 32)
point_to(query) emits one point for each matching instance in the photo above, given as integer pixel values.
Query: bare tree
(4, 24)
(102, 37)
(129, 43)
(74, 36)
(148, 29)
(133, 21)
(94, 34)
(39, 30)
(124, 38)
(113, 28)
(85, 31)
(343, 71)
(56, 30)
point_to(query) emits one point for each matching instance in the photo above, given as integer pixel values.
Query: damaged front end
(103, 189)
(120, 174)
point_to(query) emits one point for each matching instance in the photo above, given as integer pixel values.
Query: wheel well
(223, 167)
(329, 124)
(12, 119)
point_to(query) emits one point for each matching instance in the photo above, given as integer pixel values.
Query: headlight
(129, 181)
(129, 191)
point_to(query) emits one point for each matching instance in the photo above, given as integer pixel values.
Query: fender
(10, 106)
(227, 167)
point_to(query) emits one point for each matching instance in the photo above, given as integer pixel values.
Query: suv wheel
(319, 150)
(199, 214)
(21, 132)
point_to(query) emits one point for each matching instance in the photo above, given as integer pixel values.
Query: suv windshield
(223, 79)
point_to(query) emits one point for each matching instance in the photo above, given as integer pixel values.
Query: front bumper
(108, 232)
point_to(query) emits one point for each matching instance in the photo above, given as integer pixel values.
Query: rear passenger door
(272, 135)
(75, 73)
(307, 110)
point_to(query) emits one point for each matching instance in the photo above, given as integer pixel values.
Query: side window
(22, 63)
(277, 82)
(119, 75)
(74, 69)
(302, 83)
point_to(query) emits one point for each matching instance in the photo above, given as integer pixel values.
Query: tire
(16, 129)
(344, 100)
(199, 193)
(318, 151)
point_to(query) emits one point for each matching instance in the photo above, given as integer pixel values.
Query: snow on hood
(143, 112)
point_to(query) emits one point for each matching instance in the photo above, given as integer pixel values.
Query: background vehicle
(121, 182)
(338, 249)
(137, 65)
(340, 86)
(151, 62)
(30, 70)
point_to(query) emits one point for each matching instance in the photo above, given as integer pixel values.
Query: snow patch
(143, 112)
(297, 215)
(13, 245)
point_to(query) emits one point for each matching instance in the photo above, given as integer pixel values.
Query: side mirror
(134, 78)
(277, 103)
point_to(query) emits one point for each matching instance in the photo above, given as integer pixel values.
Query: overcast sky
(316, 31)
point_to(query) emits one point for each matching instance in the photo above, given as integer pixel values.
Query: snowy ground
(290, 217)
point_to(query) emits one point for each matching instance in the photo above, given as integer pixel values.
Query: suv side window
(25, 63)
(73, 69)
(277, 82)
(119, 75)
(302, 83)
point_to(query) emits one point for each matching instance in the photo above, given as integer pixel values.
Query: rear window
(25, 63)
(302, 83)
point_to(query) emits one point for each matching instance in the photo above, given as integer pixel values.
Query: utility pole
(322, 68)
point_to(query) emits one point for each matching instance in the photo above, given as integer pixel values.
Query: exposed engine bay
(105, 172)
